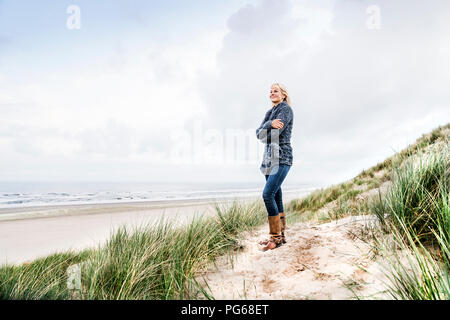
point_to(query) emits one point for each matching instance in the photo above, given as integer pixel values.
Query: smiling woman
(278, 93)
(277, 161)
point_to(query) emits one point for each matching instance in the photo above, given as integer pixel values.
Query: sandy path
(318, 262)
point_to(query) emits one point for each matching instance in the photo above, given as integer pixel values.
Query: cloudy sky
(103, 90)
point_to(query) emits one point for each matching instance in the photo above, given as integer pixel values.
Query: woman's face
(275, 95)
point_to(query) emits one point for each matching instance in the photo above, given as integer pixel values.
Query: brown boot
(283, 227)
(275, 233)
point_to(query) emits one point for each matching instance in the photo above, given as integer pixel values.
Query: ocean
(28, 194)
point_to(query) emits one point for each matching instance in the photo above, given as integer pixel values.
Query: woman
(275, 131)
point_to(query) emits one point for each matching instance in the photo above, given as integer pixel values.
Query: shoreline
(66, 210)
(62, 210)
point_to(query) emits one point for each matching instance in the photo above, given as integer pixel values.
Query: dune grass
(156, 261)
(414, 270)
(415, 212)
(419, 195)
(343, 196)
(43, 278)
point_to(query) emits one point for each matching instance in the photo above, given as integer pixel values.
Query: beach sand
(30, 233)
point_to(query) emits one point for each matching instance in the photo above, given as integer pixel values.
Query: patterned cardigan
(278, 149)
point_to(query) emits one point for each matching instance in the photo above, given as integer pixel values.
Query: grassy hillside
(352, 197)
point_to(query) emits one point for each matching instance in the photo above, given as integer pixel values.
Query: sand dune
(320, 261)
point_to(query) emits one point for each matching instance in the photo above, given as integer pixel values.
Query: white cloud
(114, 109)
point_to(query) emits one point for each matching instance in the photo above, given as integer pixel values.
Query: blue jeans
(272, 194)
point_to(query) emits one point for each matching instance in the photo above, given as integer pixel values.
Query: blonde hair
(284, 92)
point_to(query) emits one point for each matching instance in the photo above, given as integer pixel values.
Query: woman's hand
(277, 124)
